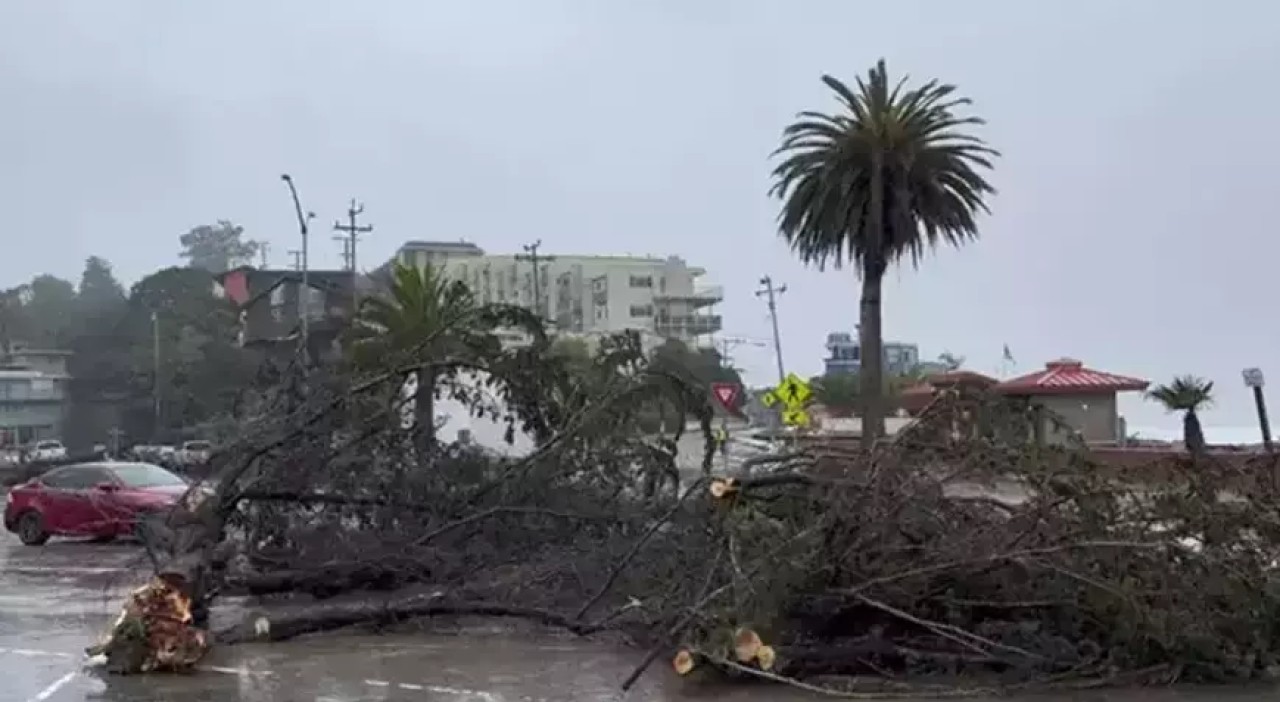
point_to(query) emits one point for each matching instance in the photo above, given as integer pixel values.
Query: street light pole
(304, 291)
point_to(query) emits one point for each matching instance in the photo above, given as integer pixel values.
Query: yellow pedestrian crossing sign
(793, 392)
(795, 417)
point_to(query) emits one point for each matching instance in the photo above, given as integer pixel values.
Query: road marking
(30, 653)
(246, 672)
(70, 570)
(52, 689)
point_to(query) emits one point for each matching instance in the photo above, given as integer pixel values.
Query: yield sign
(726, 394)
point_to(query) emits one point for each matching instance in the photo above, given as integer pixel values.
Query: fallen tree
(825, 561)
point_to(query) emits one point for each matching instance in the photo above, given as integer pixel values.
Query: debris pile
(155, 632)
(908, 563)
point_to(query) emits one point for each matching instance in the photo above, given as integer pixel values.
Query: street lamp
(304, 291)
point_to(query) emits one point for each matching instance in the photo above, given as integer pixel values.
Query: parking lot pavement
(57, 599)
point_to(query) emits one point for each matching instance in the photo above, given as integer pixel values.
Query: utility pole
(155, 383)
(770, 292)
(297, 258)
(346, 251)
(535, 259)
(263, 249)
(353, 232)
(304, 291)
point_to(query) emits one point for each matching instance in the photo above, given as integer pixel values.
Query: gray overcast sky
(1132, 230)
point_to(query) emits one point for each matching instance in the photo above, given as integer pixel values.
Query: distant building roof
(917, 397)
(1067, 376)
(460, 246)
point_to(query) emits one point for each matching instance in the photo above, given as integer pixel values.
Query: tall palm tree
(423, 316)
(1187, 394)
(890, 176)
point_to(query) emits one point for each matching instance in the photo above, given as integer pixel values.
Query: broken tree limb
(319, 617)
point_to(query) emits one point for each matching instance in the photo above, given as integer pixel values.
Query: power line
(729, 343)
(770, 292)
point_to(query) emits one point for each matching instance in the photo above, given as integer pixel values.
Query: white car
(48, 450)
(194, 453)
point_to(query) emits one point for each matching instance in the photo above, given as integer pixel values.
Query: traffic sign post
(791, 396)
(1254, 381)
(727, 395)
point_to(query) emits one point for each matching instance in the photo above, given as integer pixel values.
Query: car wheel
(31, 529)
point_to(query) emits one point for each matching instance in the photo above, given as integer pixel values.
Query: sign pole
(1253, 379)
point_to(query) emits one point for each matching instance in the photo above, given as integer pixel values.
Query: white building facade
(585, 295)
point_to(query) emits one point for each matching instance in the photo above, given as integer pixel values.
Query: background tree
(891, 175)
(100, 362)
(14, 323)
(426, 318)
(950, 361)
(51, 312)
(217, 247)
(1187, 394)
(838, 392)
(204, 375)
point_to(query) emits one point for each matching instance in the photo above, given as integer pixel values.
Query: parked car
(103, 500)
(194, 453)
(47, 450)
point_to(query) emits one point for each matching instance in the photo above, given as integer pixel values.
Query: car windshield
(145, 475)
(198, 445)
(48, 444)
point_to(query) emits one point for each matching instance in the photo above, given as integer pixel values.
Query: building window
(642, 281)
(600, 284)
(642, 310)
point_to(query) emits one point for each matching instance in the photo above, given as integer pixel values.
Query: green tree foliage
(837, 391)
(203, 375)
(51, 312)
(424, 319)
(889, 176)
(217, 247)
(99, 364)
(1187, 394)
(950, 361)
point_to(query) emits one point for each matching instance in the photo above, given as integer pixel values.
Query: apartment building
(845, 355)
(583, 294)
(33, 395)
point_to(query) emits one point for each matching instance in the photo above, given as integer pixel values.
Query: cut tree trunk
(318, 617)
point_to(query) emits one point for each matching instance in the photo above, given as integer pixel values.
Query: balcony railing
(687, 325)
(700, 297)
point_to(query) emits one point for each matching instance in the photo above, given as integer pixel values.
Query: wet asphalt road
(59, 598)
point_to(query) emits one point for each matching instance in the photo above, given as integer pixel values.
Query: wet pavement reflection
(57, 599)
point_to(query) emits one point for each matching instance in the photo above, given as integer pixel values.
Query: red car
(102, 500)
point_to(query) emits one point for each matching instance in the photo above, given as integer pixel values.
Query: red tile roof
(1067, 376)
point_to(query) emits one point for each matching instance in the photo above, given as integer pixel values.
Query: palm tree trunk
(1193, 434)
(870, 334)
(424, 406)
(871, 377)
